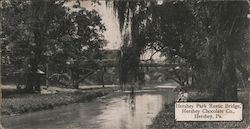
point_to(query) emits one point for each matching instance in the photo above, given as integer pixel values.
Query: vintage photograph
(125, 64)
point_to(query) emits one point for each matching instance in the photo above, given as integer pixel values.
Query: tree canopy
(208, 39)
(36, 33)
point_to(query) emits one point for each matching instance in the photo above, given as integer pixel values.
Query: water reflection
(119, 111)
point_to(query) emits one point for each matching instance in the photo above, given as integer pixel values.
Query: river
(116, 111)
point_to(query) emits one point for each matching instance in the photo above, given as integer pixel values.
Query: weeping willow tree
(133, 18)
(226, 28)
(153, 25)
(209, 37)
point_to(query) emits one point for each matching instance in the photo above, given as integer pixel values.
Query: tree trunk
(225, 34)
(75, 77)
(39, 29)
(29, 87)
(33, 82)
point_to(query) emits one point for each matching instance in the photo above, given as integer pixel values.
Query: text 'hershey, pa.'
(208, 111)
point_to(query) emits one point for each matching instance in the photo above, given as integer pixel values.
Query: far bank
(22, 103)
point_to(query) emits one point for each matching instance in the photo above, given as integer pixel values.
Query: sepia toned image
(125, 64)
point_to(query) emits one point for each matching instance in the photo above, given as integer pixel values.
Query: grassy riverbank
(166, 119)
(19, 104)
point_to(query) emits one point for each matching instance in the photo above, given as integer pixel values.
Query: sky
(112, 34)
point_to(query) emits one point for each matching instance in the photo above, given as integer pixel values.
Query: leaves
(207, 37)
(50, 32)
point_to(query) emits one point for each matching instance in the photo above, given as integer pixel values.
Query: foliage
(41, 32)
(207, 43)
(132, 17)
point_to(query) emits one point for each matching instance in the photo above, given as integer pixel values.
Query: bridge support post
(102, 76)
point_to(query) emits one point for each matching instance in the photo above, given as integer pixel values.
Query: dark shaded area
(209, 40)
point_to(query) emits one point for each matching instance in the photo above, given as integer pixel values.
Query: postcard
(125, 64)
